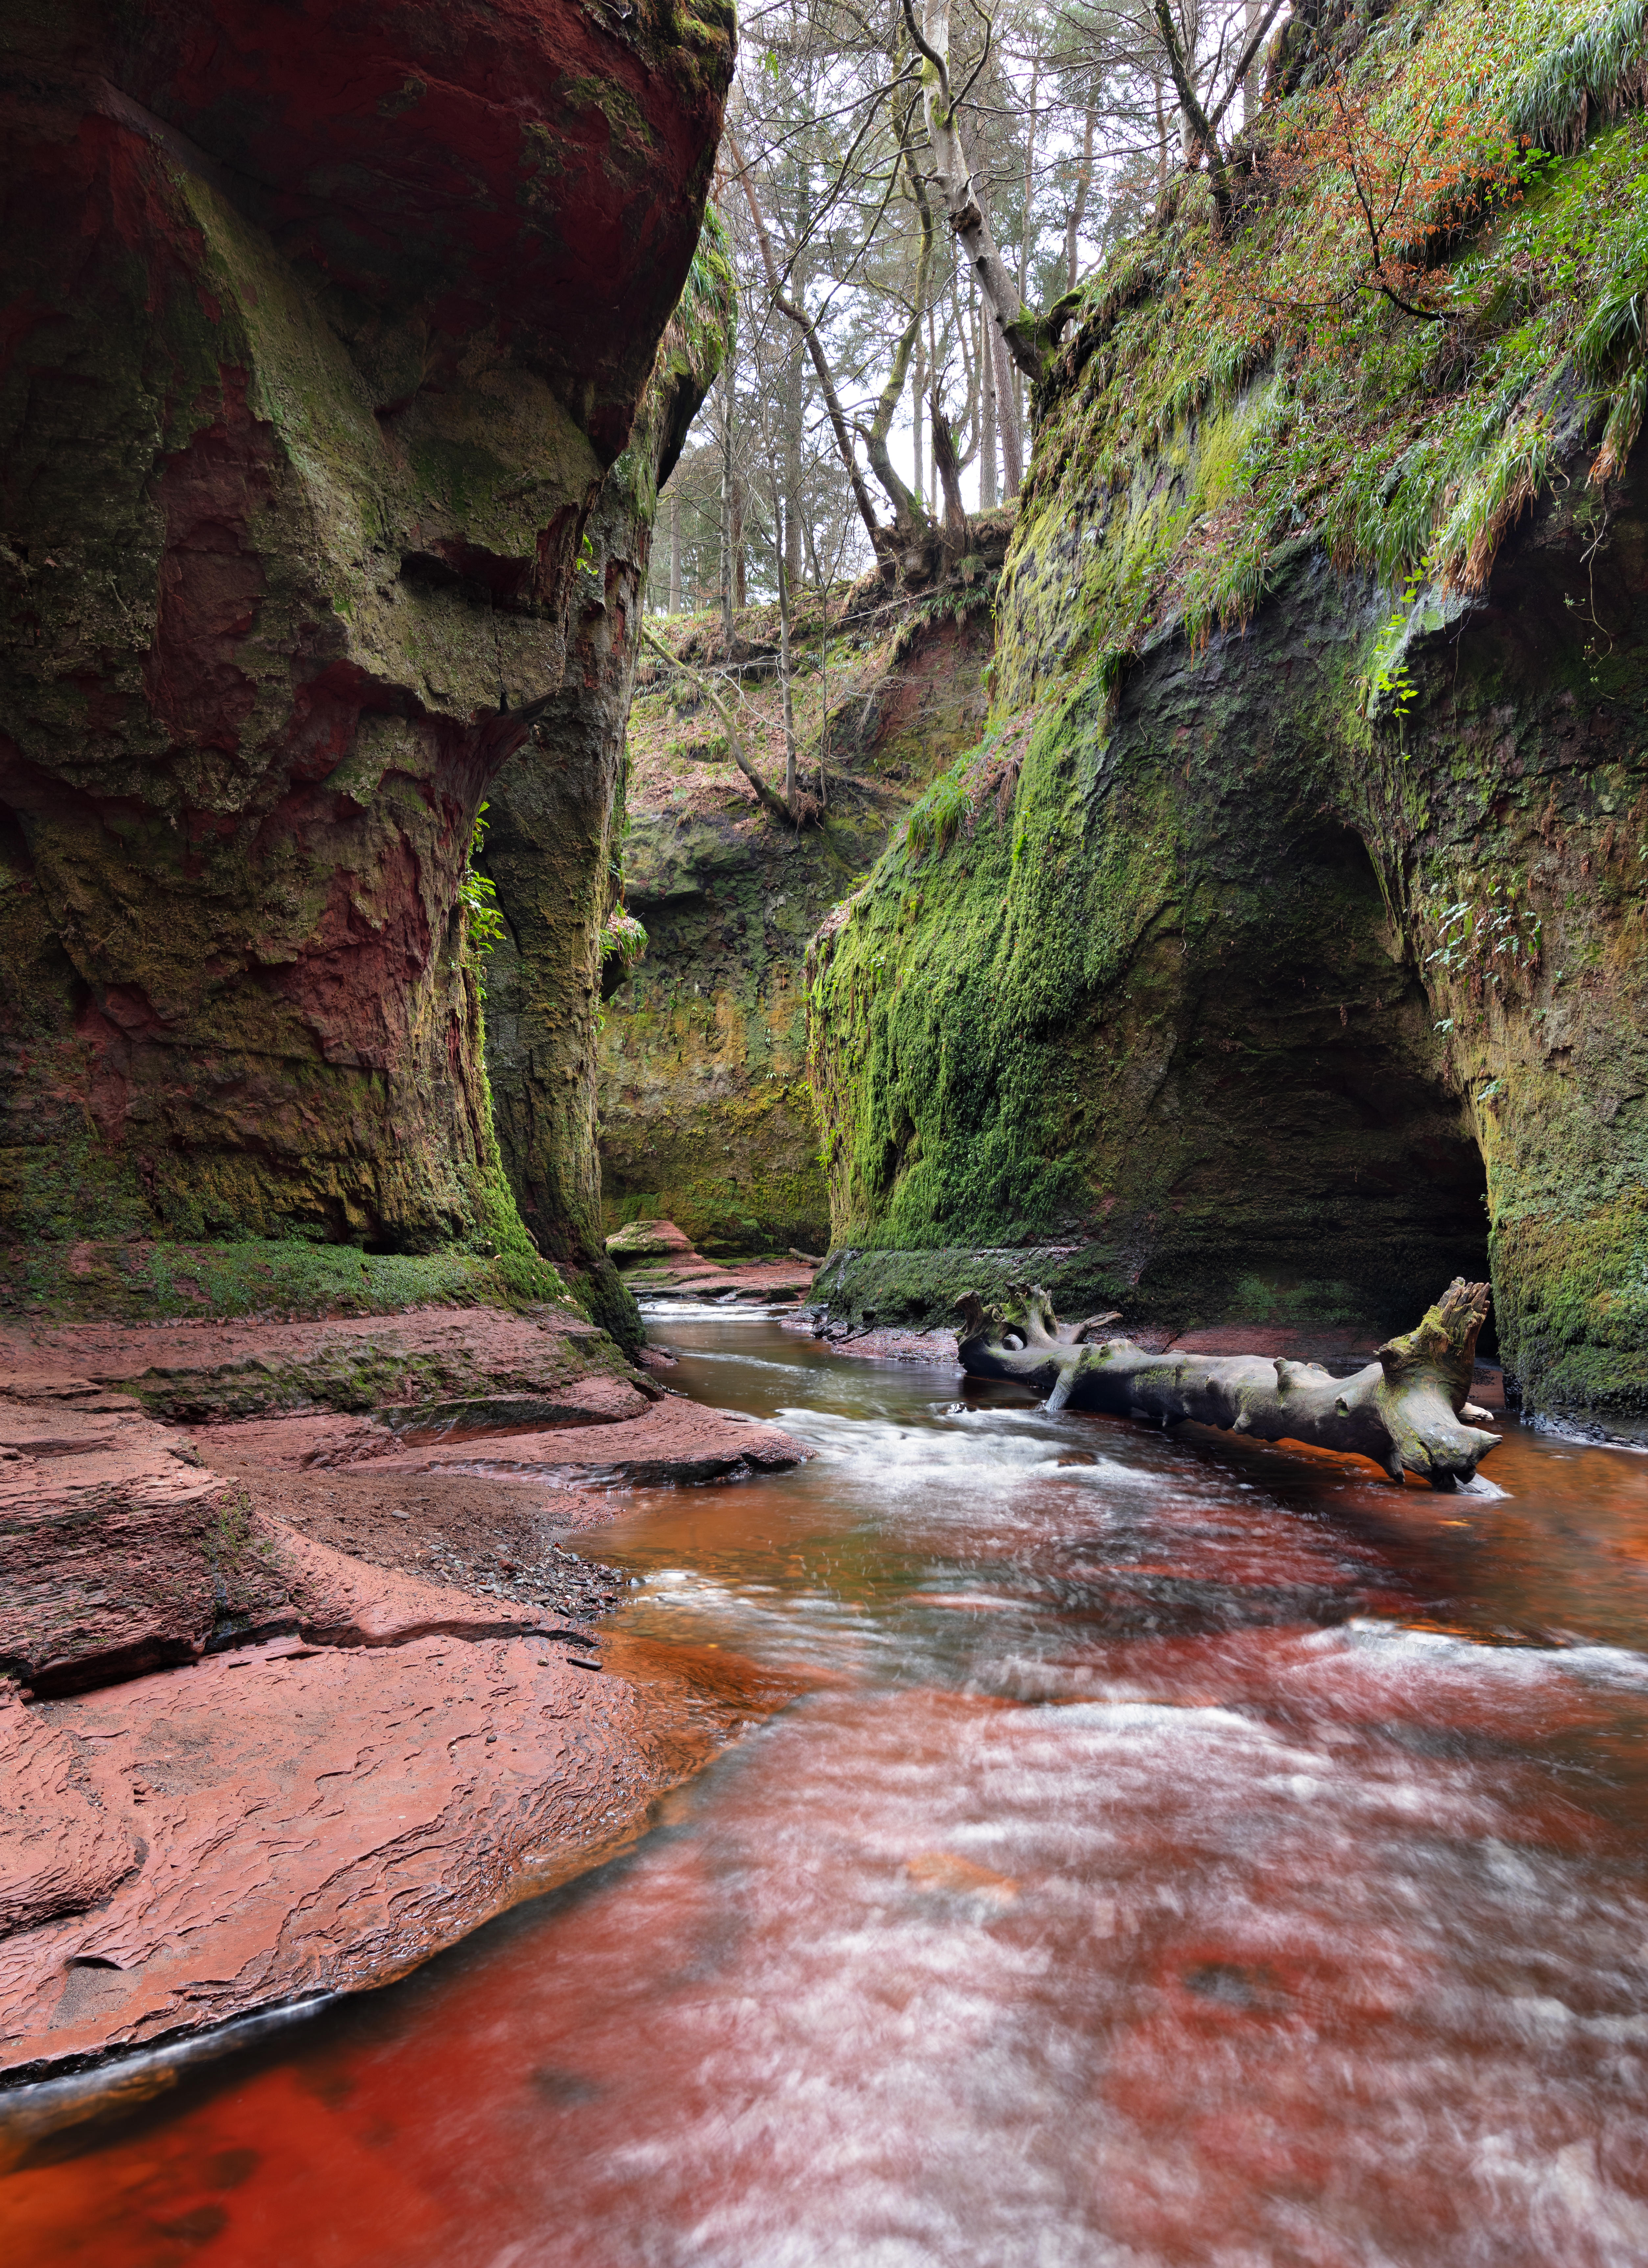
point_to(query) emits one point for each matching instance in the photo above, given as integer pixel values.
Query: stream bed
(1179, 1851)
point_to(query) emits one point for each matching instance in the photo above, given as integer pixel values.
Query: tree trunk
(794, 412)
(1083, 184)
(1029, 181)
(915, 406)
(1253, 82)
(775, 805)
(796, 396)
(725, 586)
(1198, 131)
(909, 513)
(675, 555)
(987, 417)
(798, 315)
(1406, 1411)
(954, 180)
(1007, 419)
(950, 474)
(791, 781)
(966, 436)
(741, 589)
(935, 373)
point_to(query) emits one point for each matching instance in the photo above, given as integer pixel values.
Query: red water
(1204, 1854)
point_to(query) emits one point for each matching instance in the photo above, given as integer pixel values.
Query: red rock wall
(554, 847)
(321, 325)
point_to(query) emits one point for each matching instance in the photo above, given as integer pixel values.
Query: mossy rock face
(554, 825)
(1281, 949)
(48, 1283)
(1153, 1002)
(706, 1112)
(1202, 1004)
(290, 548)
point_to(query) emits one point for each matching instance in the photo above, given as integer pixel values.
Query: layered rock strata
(657, 1262)
(292, 1694)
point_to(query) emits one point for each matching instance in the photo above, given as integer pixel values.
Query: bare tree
(953, 177)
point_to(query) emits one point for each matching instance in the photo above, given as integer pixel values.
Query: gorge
(454, 1126)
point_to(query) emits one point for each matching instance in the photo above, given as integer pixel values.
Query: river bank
(1171, 1836)
(303, 1680)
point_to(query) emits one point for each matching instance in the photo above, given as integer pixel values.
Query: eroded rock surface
(285, 1819)
(293, 1698)
(328, 323)
(678, 1441)
(200, 1371)
(658, 1263)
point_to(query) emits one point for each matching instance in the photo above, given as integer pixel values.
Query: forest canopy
(897, 186)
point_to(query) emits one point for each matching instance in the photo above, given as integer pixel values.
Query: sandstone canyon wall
(1281, 949)
(707, 1116)
(325, 324)
(555, 828)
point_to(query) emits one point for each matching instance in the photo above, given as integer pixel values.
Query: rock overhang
(532, 168)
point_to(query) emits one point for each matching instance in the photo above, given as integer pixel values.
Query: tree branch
(804, 323)
(770, 802)
(1246, 63)
(1193, 110)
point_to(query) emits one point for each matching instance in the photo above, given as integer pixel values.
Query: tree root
(1406, 1411)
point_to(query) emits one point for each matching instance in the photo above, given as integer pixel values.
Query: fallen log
(1407, 1411)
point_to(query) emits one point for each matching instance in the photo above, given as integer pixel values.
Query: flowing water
(1183, 1852)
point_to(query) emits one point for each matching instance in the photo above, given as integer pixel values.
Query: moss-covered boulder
(1281, 950)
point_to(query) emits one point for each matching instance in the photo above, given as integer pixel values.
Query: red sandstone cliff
(322, 325)
(555, 845)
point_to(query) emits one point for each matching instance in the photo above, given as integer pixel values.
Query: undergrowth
(1226, 401)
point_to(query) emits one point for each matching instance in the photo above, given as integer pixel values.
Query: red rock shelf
(240, 1764)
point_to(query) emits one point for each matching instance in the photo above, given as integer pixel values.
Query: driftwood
(1407, 1411)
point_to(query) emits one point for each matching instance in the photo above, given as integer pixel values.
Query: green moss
(502, 1233)
(1185, 984)
(53, 1283)
(1574, 1310)
(1191, 436)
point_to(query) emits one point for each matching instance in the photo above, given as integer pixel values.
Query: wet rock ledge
(298, 1679)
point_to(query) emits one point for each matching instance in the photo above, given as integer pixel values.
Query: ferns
(484, 925)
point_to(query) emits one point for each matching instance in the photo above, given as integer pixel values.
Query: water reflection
(1187, 1851)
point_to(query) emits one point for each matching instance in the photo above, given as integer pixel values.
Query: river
(1179, 1851)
